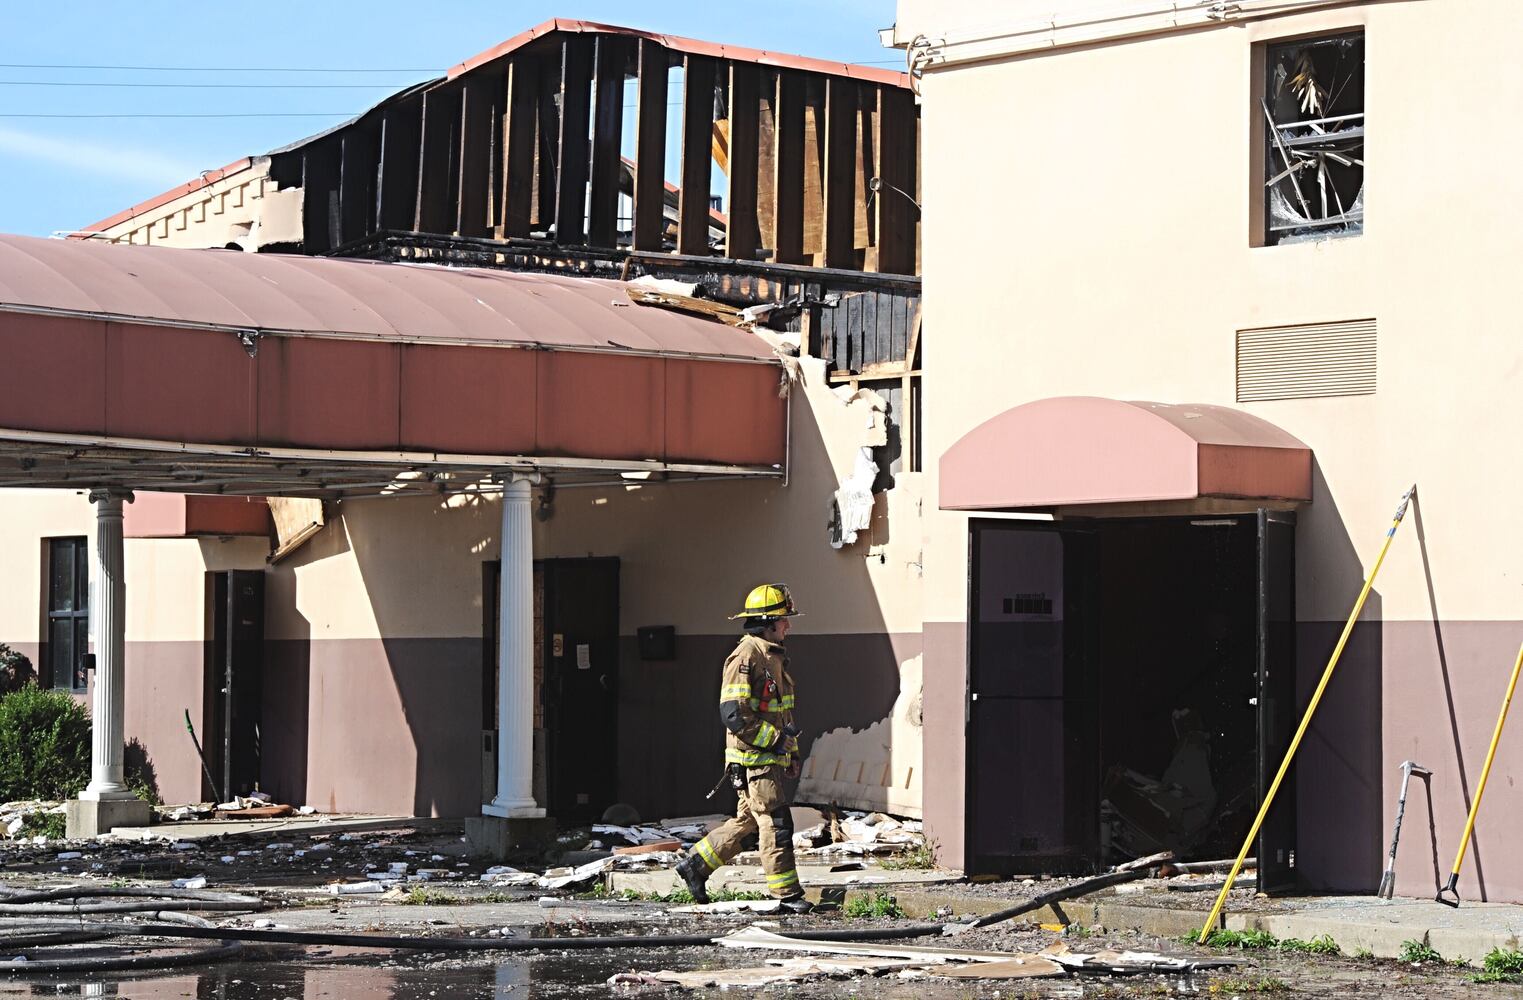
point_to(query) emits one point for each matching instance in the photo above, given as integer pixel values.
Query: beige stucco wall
(1113, 205)
(165, 577)
(689, 551)
(166, 618)
(1088, 232)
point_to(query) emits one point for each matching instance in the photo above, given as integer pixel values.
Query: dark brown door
(1032, 711)
(1277, 695)
(581, 685)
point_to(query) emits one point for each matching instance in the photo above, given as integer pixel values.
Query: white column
(515, 669)
(108, 627)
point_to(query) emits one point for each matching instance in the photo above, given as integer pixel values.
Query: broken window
(1314, 133)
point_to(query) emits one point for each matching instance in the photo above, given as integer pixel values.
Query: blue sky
(59, 173)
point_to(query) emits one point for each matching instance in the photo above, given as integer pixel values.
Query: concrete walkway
(1357, 923)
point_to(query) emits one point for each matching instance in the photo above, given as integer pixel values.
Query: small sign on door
(558, 645)
(583, 657)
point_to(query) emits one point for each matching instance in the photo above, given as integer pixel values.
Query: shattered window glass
(1314, 131)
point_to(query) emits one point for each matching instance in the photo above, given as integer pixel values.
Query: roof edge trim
(692, 46)
(611, 349)
(206, 179)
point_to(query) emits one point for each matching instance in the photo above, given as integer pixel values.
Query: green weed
(1241, 939)
(1323, 945)
(1504, 960)
(880, 904)
(1235, 985)
(1502, 965)
(921, 857)
(1418, 952)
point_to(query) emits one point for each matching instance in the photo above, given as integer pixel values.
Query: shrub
(139, 774)
(44, 745)
(15, 670)
(49, 825)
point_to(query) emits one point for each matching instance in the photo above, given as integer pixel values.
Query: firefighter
(761, 751)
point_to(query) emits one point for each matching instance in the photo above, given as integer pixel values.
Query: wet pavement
(291, 973)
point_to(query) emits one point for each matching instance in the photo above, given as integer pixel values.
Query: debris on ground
(859, 834)
(780, 971)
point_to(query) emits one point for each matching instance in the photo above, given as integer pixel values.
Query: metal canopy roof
(348, 299)
(1077, 450)
(207, 371)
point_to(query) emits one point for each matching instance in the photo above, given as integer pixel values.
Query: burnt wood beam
(320, 169)
(438, 161)
(788, 160)
(476, 107)
(697, 154)
(650, 146)
(547, 140)
(814, 170)
(575, 149)
(743, 232)
(766, 160)
(894, 213)
(840, 189)
(610, 59)
(397, 197)
(518, 133)
(359, 158)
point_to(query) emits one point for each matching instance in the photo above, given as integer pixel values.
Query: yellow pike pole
(1475, 806)
(1327, 675)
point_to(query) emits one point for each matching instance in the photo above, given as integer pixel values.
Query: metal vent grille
(1302, 362)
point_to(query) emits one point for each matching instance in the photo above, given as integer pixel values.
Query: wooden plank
(547, 141)
(899, 325)
(866, 163)
(814, 170)
(436, 157)
(610, 59)
(895, 217)
(857, 355)
(879, 319)
(839, 194)
(766, 160)
(743, 233)
(476, 103)
(575, 147)
(788, 161)
(697, 139)
(650, 145)
(401, 132)
(518, 129)
(359, 159)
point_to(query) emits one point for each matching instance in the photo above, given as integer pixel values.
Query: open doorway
(576, 680)
(233, 682)
(1130, 682)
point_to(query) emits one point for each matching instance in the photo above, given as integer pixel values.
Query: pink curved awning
(1073, 450)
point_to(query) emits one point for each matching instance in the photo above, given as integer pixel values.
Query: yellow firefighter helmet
(770, 600)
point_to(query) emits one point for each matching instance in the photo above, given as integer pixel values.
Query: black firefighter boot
(695, 872)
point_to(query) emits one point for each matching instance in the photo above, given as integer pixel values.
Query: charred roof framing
(525, 141)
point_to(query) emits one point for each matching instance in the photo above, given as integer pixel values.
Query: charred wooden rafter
(821, 168)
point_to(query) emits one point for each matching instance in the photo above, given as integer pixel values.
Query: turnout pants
(763, 809)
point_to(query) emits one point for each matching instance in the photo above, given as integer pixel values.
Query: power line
(215, 69)
(200, 86)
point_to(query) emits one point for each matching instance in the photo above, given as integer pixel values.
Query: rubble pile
(860, 834)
